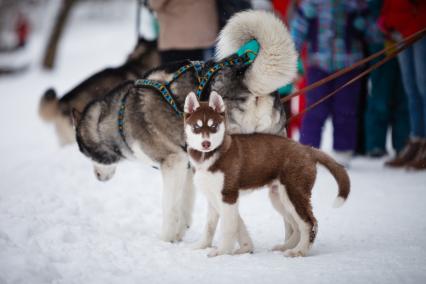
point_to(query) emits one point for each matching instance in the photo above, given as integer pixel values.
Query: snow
(58, 224)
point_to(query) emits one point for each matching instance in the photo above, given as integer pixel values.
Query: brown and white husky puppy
(226, 165)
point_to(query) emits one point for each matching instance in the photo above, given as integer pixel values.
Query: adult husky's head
(256, 109)
(93, 141)
(205, 123)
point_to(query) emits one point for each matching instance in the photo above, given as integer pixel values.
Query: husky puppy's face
(204, 122)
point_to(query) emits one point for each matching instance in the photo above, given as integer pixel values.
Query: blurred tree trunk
(55, 36)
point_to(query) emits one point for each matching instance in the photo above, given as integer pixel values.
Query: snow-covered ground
(58, 224)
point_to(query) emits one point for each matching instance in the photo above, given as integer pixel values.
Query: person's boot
(407, 154)
(419, 161)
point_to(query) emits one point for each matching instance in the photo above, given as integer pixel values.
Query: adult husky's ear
(75, 117)
(191, 103)
(216, 102)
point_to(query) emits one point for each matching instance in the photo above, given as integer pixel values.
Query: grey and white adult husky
(153, 132)
(144, 56)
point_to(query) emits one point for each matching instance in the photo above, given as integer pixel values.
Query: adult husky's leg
(292, 233)
(229, 225)
(174, 171)
(187, 202)
(306, 224)
(210, 228)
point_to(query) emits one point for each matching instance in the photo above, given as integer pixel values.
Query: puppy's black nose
(205, 144)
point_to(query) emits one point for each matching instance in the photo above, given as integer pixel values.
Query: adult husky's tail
(338, 172)
(275, 65)
(49, 104)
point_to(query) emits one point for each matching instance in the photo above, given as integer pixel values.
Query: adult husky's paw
(170, 236)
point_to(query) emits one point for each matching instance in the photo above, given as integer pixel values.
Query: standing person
(402, 18)
(333, 30)
(187, 28)
(386, 102)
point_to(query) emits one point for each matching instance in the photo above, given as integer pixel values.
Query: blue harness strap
(164, 91)
(120, 120)
(245, 55)
(197, 65)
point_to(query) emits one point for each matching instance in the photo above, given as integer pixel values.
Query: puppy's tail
(275, 64)
(49, 105)
(338, 172)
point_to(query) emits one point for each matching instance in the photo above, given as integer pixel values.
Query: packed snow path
(58, 224)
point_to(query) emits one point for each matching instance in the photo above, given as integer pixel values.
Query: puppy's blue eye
(196, 127)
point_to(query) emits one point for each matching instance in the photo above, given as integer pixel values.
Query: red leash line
(394, 49)
(404, 43)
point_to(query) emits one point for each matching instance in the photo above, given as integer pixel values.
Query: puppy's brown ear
(191, 103)
(75, 117)
(216, 102)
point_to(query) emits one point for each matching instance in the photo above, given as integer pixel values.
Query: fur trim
(276, 63)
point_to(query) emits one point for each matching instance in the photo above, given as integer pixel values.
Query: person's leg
(398, 109)
(313, 121)
(409, 152)
(419, 162)
(406, 63)
(420, 77)
(344, 114)
(378, 112)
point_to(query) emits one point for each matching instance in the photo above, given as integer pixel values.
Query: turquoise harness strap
(245, 55)
(164, 91)
(120, 121)
(197, 65)
(251, 48)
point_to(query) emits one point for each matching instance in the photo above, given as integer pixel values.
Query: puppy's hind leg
(303, 217)
(174, 171)
(292, 234)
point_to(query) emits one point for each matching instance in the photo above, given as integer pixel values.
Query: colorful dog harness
(245, 55)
